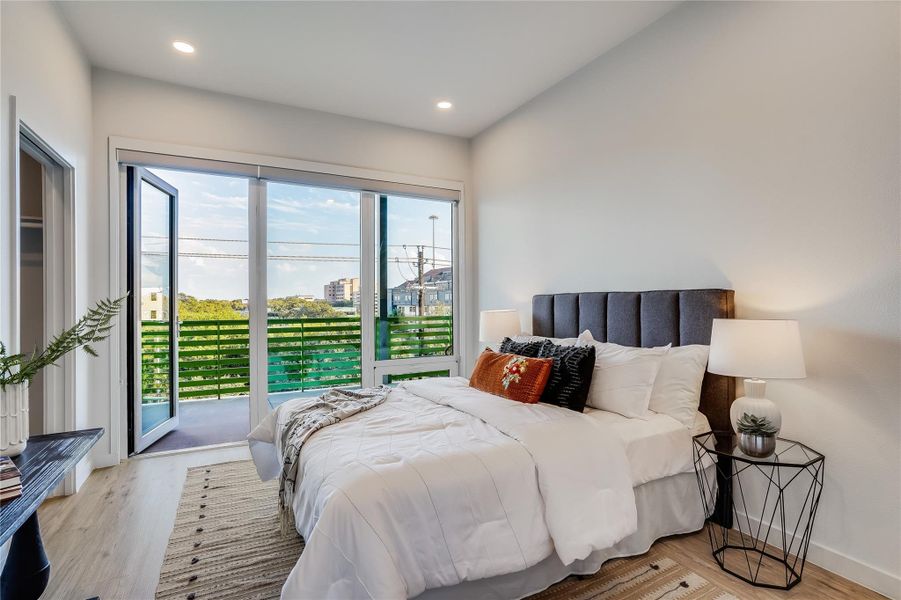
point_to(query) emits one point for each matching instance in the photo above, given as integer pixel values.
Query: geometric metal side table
(774, 502)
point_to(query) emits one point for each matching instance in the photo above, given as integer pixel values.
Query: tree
(295, 307)
(193, 309)
(291, 307)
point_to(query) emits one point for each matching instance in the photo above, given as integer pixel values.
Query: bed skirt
(667, 506)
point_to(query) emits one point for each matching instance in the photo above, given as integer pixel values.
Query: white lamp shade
(495, 325)
(762, 349)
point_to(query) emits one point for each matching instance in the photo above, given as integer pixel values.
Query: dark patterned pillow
(570, 376)
(528, 349)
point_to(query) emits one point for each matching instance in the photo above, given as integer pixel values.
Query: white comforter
(442, 484)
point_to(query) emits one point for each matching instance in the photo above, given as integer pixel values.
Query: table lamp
(758, 350)
(495, 325)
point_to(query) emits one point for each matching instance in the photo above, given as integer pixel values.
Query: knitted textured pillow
(511, 376)
(571, 376)
(531, 349)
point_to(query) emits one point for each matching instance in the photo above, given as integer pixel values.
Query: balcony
(304, 355)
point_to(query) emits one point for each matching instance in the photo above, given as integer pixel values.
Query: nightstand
(772, 503)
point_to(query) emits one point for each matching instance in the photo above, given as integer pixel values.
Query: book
(10, 493)
(12, 490)
(10, 477)
(8, 483)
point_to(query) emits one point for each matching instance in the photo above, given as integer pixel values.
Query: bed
(445, 492)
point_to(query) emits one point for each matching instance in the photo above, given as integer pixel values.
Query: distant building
(346, 289)
(244, 310)
(154, 305)
(439, 291)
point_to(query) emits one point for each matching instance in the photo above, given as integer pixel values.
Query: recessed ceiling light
(183, 47)
(445, 104)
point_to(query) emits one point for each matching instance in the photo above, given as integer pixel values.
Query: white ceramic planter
(13, 419)
(757, 404)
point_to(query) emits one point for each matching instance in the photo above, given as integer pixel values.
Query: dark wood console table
(43, 465)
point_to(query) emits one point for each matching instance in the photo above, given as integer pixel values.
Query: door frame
(409, 366)
(118, 251)
(257, 301)
(59, 274)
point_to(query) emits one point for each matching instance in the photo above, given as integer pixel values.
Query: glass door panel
(415, 284)
(154, 274)
(313, 333)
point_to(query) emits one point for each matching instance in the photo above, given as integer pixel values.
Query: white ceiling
(383, 61)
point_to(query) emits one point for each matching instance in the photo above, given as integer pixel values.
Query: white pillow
(677, 389)
(623, 377)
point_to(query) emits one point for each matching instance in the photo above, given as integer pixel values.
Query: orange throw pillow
(511, 376)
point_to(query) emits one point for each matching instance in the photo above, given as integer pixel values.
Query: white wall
(43, 67)
(140, 108)
(745, 145)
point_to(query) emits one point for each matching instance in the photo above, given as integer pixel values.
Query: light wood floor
(109, 539)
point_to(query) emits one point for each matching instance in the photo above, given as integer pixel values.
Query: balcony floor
(207, 422)
(214, 421)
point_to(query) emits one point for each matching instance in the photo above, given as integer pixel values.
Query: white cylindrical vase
(13, 419)
(754, 402)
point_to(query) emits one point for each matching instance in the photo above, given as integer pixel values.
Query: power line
(294, 243)
(409, 261)
(302, 258)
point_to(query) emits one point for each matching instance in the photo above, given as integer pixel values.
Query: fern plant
(93, 327)
(754, 425)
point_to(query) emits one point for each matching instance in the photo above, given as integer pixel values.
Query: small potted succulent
(17, 370)
(756, 435)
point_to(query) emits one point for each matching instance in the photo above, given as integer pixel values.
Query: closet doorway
(31, 277)
(45, 263)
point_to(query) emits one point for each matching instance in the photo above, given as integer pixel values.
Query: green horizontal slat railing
(307, 353)
(416, 337)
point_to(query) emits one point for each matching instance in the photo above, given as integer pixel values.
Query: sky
(313, 236)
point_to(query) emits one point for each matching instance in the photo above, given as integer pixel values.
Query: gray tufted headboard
(677, 317)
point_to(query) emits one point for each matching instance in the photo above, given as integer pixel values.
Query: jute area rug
(226, 546)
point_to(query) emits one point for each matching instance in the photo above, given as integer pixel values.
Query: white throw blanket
(442, 484)
(302, 417)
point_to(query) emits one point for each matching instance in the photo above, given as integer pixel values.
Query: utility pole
(420, 265)
(433, 219)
